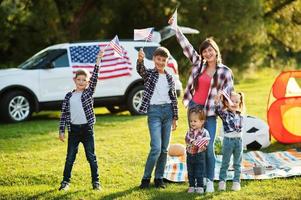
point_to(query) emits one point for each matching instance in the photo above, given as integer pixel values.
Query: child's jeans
(231, 146)
(196, 168)
(159, 123)
(210, 125)
(81, 133)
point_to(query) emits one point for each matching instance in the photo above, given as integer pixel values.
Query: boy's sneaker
(159, 183)
(222, 186)
(236, 186)
(96, 185)
(64, 185)
(199, 190)
(209, 186)
(190, 190)
(144, 183)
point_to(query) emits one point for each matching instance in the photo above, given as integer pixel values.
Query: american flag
(225, 93)
(173, 20)
(201, 142)
(84, 56)
(144, 34)
(116, 46)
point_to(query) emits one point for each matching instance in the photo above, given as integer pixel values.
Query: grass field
(32, 158)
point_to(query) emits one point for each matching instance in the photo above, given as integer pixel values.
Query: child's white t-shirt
(77, 112)
(160, 95)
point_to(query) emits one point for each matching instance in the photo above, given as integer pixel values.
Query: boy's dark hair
(82, 72)
(161, 51)
(199, 111)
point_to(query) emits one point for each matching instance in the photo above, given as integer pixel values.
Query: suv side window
(61, 61)
(148, 51)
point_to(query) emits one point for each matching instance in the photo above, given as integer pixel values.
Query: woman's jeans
(231, 146)
(159, 123)
(81, 133)
(210, 125)
(196, 168)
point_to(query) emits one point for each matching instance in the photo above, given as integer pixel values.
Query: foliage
(249, 33)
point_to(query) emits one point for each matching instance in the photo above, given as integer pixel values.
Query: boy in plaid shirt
(159, 101)
(78, 116)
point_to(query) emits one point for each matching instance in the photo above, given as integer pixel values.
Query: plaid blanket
(276, 164)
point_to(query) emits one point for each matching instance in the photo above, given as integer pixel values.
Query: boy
(78, 116)
(160, 103)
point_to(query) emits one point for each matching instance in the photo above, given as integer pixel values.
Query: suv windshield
(32, 62)
(41, 60)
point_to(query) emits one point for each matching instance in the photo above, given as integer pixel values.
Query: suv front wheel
(16, 107)
(135, 99)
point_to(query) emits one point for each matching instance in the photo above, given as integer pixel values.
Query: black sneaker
(144, 183)
(159, 183)
(96, 185)
(64, 185)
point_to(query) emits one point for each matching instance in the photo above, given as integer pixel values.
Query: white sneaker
(236, 186)
(222, 186)
(199, 190)
(209, 186)
(190, 190)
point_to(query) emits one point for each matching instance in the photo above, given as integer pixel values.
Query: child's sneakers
(222, 186)
(199, 190)
(190, 190)
(236, 186)
(64, 185)
(144, 184)
(209, 186)
(96, 185)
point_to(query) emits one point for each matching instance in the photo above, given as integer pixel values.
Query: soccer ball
(255, 134)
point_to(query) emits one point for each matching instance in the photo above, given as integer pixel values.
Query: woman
(208, 76)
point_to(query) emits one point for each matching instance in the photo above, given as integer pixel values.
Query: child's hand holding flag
(173, 21)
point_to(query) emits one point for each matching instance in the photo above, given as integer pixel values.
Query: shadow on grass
(121, 193)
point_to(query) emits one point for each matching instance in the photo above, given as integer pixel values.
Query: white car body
(44, 88)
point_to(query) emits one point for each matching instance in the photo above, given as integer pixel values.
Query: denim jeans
(231, 146)
(196, 169)
(159, 123)
(81, 133)
(210, 125)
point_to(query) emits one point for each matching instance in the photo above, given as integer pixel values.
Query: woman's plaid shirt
(223, 75)
(87, 102)
(150, 77)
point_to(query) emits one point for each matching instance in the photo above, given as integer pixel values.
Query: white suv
(41, 82)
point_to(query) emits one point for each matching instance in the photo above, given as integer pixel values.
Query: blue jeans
(210, 125)
(81, 133)
(159, 123)
(196, 169)
(231, 146)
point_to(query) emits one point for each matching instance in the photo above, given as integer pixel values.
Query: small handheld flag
(227, 96)
(118, 51)
(143, 34)
(173, 21)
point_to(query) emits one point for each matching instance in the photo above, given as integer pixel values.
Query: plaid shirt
(193, 135)
(151, 77)
(87, 102)
(223, 75)
(232, 122)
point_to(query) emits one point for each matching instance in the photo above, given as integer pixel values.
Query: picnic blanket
(277, 164)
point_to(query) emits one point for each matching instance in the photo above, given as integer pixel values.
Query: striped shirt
(223, 75)
(195, 137)
(151, 77)
(232, 121)
(87, 102)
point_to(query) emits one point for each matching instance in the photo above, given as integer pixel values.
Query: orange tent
(284, 108)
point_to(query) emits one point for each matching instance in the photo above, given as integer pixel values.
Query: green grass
(32, 158)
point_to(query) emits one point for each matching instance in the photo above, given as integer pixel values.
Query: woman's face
(209, 54)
